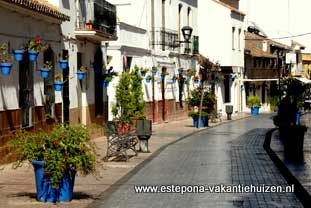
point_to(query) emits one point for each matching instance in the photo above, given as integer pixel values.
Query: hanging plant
(6, 60)
(108, 78)
(34, 47)
(63, 63)
(163, 74)
(143, 71)
(154, 71)
(174, 78)
(196, 79)
(149, 78)
(81, 72)
(45, 70)
(18, 54)
(58, 83)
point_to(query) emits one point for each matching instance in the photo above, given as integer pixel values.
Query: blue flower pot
(44, 73)
(196, 81)
(80, 75)
(180, 71)
(298, 116)
(105, 83)
(6, 68)
(63, 64)
(184, 81)
(58, 86)
(148, 80)
(195, 121)
(174, 80)
(18, 55)
(162, 76)
(143, 74)
(154, 73)
(188, 76)
(33, 55)
(255, 111)
(45, 192)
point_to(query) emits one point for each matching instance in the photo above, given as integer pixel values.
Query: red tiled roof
(41, 6)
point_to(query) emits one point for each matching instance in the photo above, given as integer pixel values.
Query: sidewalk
(17, 188)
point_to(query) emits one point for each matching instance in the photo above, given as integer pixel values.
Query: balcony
(96, 21)
(165, 39)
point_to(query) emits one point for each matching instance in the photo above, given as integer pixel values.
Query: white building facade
(221, 31)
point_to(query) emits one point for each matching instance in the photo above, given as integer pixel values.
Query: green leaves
(63, 148)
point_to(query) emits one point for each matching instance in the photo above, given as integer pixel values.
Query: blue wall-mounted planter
(154, 73)
(105, 83)
(63, 64)
(174, 80)
(148, 80)
(143, 74)
(44, 73)
(18, 55)
(196, 81)
(45, 192)
(58, 86)
(80, 75)
(33, 55)
(180, 71)
(162, 76)
(6, 68)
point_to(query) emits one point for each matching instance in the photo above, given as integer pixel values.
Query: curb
(301, 193)
(114, 187)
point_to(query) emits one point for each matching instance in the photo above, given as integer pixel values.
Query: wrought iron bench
(119, 143)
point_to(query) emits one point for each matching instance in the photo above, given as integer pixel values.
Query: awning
(303, 80)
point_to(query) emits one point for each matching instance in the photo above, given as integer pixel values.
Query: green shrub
(274, 100)
(253, 101)
(62, 149)
(196, 114)
(209, 100)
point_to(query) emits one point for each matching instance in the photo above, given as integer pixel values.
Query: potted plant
(58, 83)
(81, 72)
(56, 156)
(163, 74)
(195, 116)
(274, 102)
(89, 25)
(180, 70)
(254, 103)
(108, 78)
(143, 71)
(174, 78)
(45, 70)
(190, 73)
(219, 78)
(34, 47)
(149, 78)
(196, 79)
(18, 53)
(63, 63)
(154, 71)
(6, 61)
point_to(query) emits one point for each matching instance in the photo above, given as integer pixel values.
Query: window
(179, 21)
(239, 40)
(233, 31)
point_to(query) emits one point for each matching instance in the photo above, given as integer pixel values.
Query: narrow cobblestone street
(231, 153)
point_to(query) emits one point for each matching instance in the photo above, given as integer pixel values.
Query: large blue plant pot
(44, 73)
(45, 192)
(255, 111)
(18, 55)
(63, 64)
(196, 119)
(6, 68)
(58, 86)
(33, 55)
(80, 75)
(105, 83)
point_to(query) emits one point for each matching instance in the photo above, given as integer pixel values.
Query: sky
(280, 18)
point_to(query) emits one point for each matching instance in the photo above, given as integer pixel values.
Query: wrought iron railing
(165, 38)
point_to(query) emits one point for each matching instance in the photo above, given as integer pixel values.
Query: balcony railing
(164, 38)
(97, 15)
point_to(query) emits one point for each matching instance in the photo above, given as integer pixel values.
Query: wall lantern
(187, 31)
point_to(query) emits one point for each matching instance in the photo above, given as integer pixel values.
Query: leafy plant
(196, 78)
(193, 114)
(64, 148)
(109, 77)
(144, 70)
(48, 65)
(5, 57)
(253, 101)
(36, 44)
(83, 69)
(58, 77)
(175, 76)
(191, 72)
(274, 100)
(154, 68)
(209, 100)
(149, 77)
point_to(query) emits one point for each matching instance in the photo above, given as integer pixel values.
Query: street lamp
(186, 32)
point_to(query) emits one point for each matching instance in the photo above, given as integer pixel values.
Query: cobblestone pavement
(228, 154)
(301, 170)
